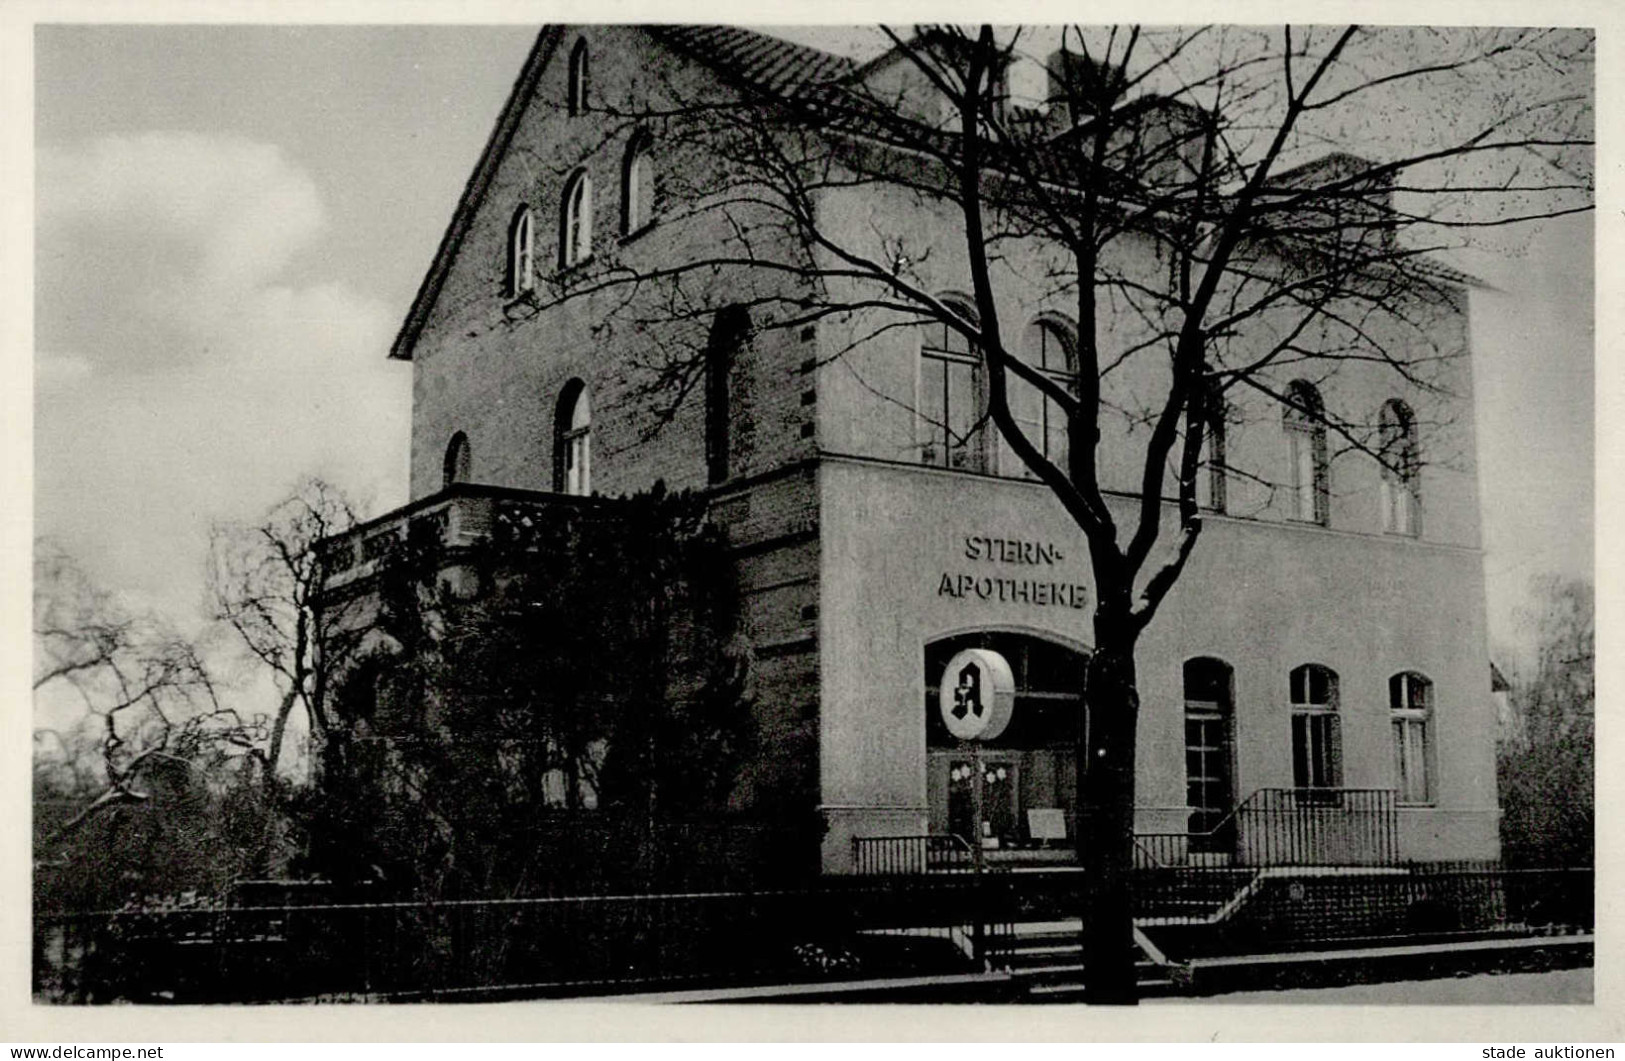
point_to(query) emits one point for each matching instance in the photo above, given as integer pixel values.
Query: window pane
(1300, 751)
(1027, 408)
(1419, 760)
(634, 193)
(1322, 686)
(933, 409)
(1321, 738)
(1193, 765)
(1055, 435)
(961, 413)
(1303, 459)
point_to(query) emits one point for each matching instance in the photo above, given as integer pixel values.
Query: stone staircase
(1046, 962)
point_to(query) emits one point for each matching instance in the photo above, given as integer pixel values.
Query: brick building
(1324, 637)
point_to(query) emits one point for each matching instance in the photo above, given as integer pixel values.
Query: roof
(768, 64)
(1324, 169)
(754, 61)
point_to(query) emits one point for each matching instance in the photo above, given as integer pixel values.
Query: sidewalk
(1451, 966)
(1556, 987)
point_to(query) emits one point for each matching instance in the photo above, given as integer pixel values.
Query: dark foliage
(1546, 766)
(571, 685)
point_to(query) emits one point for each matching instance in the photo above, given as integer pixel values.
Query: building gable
(508, 122)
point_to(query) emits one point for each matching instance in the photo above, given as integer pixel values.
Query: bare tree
(1547, 759)
(1156, 191)
(265, 580)
(149, 698)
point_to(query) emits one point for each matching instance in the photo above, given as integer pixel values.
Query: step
(1025, 972)
(1027, 950)
(1069, 990)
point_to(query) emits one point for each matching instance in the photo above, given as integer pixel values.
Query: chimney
(1080, 80)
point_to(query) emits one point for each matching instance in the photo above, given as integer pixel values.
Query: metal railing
(846, 928)
(986, 926)
(1287, 909)
(885, 856)
(495, 948)
(1287, 827)
(461, 515)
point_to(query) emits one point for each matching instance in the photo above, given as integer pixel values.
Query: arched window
(572, 441)
(1410, 704)
(521, 240)
(1305, 425)
(580, 78)
(1317, 739)
(951, 411)
(455, 467)
(1049, 347)
(637, 185)
(1401, 478)
(575, 229)
(1208, 719)
(729, 333)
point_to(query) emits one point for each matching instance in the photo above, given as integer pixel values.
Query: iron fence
(844, 928)
(883, 856)
(480, 949)
(1287, 827)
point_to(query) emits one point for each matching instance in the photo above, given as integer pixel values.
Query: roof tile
(767, 63)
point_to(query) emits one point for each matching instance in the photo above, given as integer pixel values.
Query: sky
(232, 221)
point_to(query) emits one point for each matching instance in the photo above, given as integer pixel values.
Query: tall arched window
(521, 241)
(1317, 739)
(572, 441)
(729, 333)
(951, 411)
(580, 78)
(1049, 347)
(1410, 704)
(455, 467)
(1208, 714)
(575, 229)
(1401, 478)
(1305, 424)
(1211, 490)
(637, 185)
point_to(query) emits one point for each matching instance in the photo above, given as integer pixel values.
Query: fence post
(978, 922)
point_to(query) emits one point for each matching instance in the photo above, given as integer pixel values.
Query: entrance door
(1001, 788)
(1028, 767)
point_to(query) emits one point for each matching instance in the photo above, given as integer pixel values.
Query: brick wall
(493, 367)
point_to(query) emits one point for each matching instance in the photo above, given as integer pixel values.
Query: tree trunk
(1105, 832)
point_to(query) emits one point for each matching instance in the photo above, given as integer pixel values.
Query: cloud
(150, 243)
(242, 203)
(192, 365)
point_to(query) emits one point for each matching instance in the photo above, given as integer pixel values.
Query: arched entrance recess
(1031, 766)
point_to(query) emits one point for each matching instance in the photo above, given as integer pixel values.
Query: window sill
(638, 233)
(577, 266)
(520, 307)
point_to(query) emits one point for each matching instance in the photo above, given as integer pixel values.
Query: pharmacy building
(1322, 660)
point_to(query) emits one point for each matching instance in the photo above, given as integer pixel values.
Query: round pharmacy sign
(977, 693)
